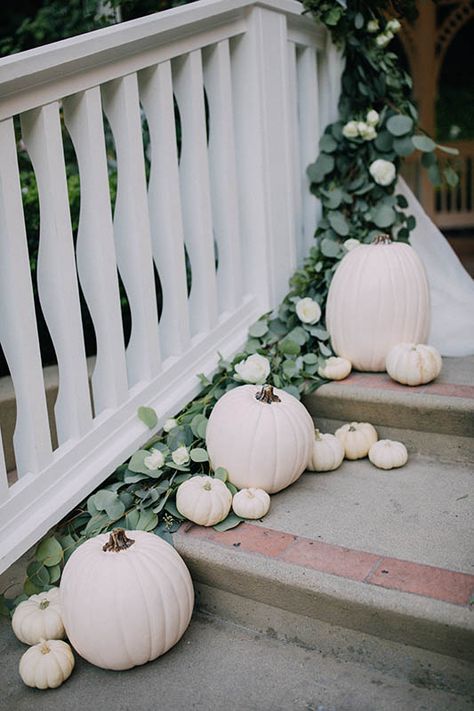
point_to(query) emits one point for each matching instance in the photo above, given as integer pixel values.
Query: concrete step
(387, 554)
(220, 665)
(435, 420)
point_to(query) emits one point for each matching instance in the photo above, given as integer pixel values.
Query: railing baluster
(223, 174)
(4, 488)
(57, 279)
(132, 227)
(195, 191)
(96, 262)
(295, 153)
(18, 330)
(309, 136)
(156, 93)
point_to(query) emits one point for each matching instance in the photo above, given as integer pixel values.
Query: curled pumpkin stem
(118, 541)
(267, 395)
(382, 239)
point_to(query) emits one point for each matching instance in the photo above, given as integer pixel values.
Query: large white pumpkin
(379, 296)
(126, 599)
(263, 436)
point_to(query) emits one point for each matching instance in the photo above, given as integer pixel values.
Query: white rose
(308, 311)
(155, 459)
(372, 117)
(351, 243)
(254, 369)
(169, 425)
(180, 456)
(368, 133)
(373, 26)
(382, 171)
(362, 127)
(393, 26)
(383, 39)
(350, 130)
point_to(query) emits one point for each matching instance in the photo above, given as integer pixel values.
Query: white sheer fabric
(452, 289)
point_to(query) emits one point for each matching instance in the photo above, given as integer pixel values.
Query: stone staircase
(354, 592)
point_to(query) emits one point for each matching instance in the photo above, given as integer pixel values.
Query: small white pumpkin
(335, 368)
(386, 454)
(357, 438)
(378, 297)
(262, 435)
(204, 500)
(47, 665)
(126, 598)
(413, 364)
(327, 453)
(251, 503)
(39, 617)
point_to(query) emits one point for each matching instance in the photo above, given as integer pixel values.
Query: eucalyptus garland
(354, 177)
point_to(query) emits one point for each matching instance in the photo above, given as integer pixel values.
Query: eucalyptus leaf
(231, 521)
(289, 347)
(448, 149)
(323, 165)
(330, 248)
(399, 125)
(298, 335)
(54, 574)
(424, 143)
(170, 507)
(338, 223)
(131, 519)
(325, 351)
(198, 454)
(233, 489)
(148, 416)
(147, 521)
(451, 176)
(403, 146)
(293, 390)
(384, 216)
(49, 552)
(327, 143)
(258, 329)
(222, 474)
(38, 574)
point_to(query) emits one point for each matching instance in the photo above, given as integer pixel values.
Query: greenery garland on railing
(355, 179)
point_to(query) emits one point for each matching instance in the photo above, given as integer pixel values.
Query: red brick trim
(382, 381)
(369, 568)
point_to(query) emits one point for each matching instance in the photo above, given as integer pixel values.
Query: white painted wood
(164, 202)
(195, 191)
(309, 132)
(57, 279)
(4, 488)
(95, 251)
(223, 174)
(18, 331)
(132, 227)
(295, 152)
(264, 161)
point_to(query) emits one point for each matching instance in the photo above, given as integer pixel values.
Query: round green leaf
(288, 347)
(258, 329)
(327, 143)
(384, 216)
(221, 474)
(54, 574)
(49, 552)
(147, 521)
(330, 248)
(403, 146)
(231, 521)
(399, 125)
(424, 143)
(324, 165)
(148, 416)
(384, 141)
(198, 454)
(38, 574)
(338, 223)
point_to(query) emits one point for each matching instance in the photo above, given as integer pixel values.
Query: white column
(57, 279)
(96, 260)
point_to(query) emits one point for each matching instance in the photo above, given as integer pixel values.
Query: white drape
(452, 289)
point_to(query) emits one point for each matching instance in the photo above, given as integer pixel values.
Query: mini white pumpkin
(379, 296)
(39, 617)
(357, 438)
(335, 368)
(126, 598)
(204, 500)
(251, 503)
(386, 454)
(413, 364)
(47, 665)
(262, 435)
(327, 453)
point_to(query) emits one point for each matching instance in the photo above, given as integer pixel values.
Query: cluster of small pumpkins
(125, 599)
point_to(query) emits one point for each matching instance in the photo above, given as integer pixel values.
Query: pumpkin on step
(251, 503)
(327, 453)
(126, 598)
(386, 454)
(47, 664)
(262, 435)
(357, 438)
(413, 364)
(39, 617)
(203, 500)
(379, 297)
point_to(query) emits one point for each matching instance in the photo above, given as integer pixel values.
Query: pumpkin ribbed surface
(379, 296)
(125, 608)
(262, 445)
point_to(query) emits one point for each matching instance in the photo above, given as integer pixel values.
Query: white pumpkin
(39, 617)
(204, 500)
(335, 368)
(251, 503)
(126, 598)
(413, 364)
(379, 296)
(386, 454)
(262, 435)
(327, 453)
(357, 438)
(47, 665)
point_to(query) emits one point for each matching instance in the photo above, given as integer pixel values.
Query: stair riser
(450, 449)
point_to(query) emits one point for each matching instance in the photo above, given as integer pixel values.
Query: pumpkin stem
(317, 434)
(382, 239)
(118, 541)
(43, 604)
(267, 395)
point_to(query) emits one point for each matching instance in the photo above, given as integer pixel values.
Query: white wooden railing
(272, 80)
